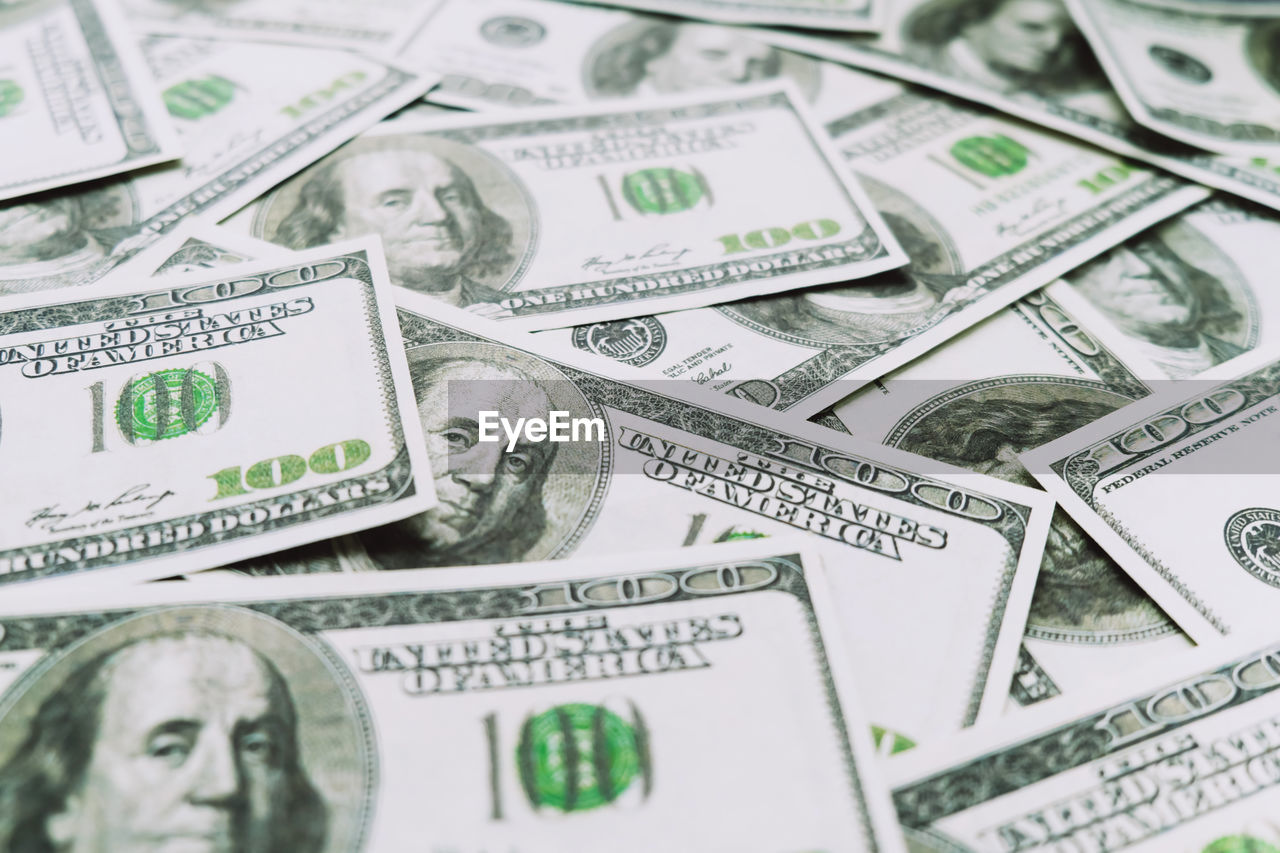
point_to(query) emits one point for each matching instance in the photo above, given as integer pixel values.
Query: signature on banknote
(133, 503)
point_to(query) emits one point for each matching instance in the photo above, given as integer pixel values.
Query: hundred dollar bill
(658, 465)
(1022, 378)
(151, 431)
(573, 215)
(695, 700)
(1242, 8)
(249, 114)
(1206, 79)
(1178, 489)
(1187, 764)
(988, 211)
(379, 26)
(1027, 58)
(512, 53)
(76, 101)
(1190, 293)
(843, 15)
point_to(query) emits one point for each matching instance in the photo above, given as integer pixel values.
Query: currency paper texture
(76, 99)
(170, 430)
(953, 553)
(1028, 58)
(1188, 764)
(1180, 490)
(847, 15)
(988, 211)
(513, 53)
(656, 701)
(373, 26)
(249, 114)
(571, 215)
(1020, 379)
(1208, 80)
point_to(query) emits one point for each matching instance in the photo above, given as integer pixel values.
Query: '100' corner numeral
(283, 470)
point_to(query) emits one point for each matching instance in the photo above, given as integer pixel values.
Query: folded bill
(514, 53)
(76, 99)
(846, 15)
(1189, 294)
(194, 247)
(1020, 379)
(1187, 763)
(642, 465)
(151, 431)
(543, 706)
(249, 114)
(1027, 58)
(1208, 79)
(584, 214)
(988, 210)
(1179, 489)
(379, 26)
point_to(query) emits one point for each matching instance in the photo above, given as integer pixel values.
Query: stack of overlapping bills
(523, 426)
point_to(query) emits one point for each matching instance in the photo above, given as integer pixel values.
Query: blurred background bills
(758, 425)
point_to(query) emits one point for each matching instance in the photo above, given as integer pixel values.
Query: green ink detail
(897, 743)
(1240, 844)
(354, 452)
(733, 534)
(664, 190)
(194, 99)
(154, 407)
(11, 95)
(262, 475)
(578, 757)
(993, 156)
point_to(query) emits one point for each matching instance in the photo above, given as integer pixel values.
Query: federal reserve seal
(1253, 538)
(636, 341)
(510, 31)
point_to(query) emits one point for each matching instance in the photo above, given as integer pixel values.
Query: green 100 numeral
(283, 470)
(1106, 178)
(771, 238)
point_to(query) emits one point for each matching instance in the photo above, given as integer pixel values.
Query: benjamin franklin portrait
(653, 57)
(433, 201)
(1007, 46)
(61, 235)
(495, 505)
(175, 731)
(1080, 594)
(872, 311)
(1183, 317)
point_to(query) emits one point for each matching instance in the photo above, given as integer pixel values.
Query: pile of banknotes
(524, 426)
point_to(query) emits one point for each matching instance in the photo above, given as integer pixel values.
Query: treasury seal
(1253, 538)
(512, 31)
(636, 342)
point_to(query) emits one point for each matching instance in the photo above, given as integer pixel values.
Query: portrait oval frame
(499, 188)
(108, 215)
(1196, 250)
(608, 48)
(575, 485)
(1063, 390)
(336, 739)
